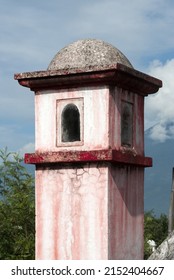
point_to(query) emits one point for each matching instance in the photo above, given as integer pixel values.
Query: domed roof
(87, 53)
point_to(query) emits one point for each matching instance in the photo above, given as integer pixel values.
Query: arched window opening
(70, 123)
(126, 124)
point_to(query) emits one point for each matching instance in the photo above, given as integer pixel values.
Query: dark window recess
(126, 124)
(70, 122)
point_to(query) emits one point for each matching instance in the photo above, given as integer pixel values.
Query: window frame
(60, 106)
(127, 130)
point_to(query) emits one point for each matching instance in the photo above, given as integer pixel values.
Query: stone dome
(88, 53)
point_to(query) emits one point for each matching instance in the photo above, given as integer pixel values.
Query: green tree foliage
(154, 229)
(17, 213)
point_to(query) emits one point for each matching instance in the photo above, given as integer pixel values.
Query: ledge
(116, 74)
(113, 156)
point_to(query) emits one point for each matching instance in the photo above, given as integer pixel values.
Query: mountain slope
(158, 179)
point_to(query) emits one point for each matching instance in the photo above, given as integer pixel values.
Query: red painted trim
(113, 156)
(131, 158)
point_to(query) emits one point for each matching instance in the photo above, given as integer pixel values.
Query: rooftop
(88, 53)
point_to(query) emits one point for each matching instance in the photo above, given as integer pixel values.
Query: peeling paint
(123, 156)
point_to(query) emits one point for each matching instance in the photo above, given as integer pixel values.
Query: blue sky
(32, 32)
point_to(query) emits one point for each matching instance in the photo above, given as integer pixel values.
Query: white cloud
(139, 28)
(161, 131)
(160, 106)
(28, 148)
(158, 132)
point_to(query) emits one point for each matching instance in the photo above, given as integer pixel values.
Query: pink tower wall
(89, 211)
(96, 111)
(126, 212)
(116, 96)
(89, 193)
(72, 206)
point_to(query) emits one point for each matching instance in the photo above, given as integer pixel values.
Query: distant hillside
(158, 179)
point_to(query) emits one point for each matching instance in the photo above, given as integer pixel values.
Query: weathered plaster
(117, 95)
(89, 212)
(71, 220)
(126, 212)
(95, 116)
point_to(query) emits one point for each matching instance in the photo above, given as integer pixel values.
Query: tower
(89, 153)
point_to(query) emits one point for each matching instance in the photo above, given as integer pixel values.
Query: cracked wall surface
(89, 211)
(71, 212)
